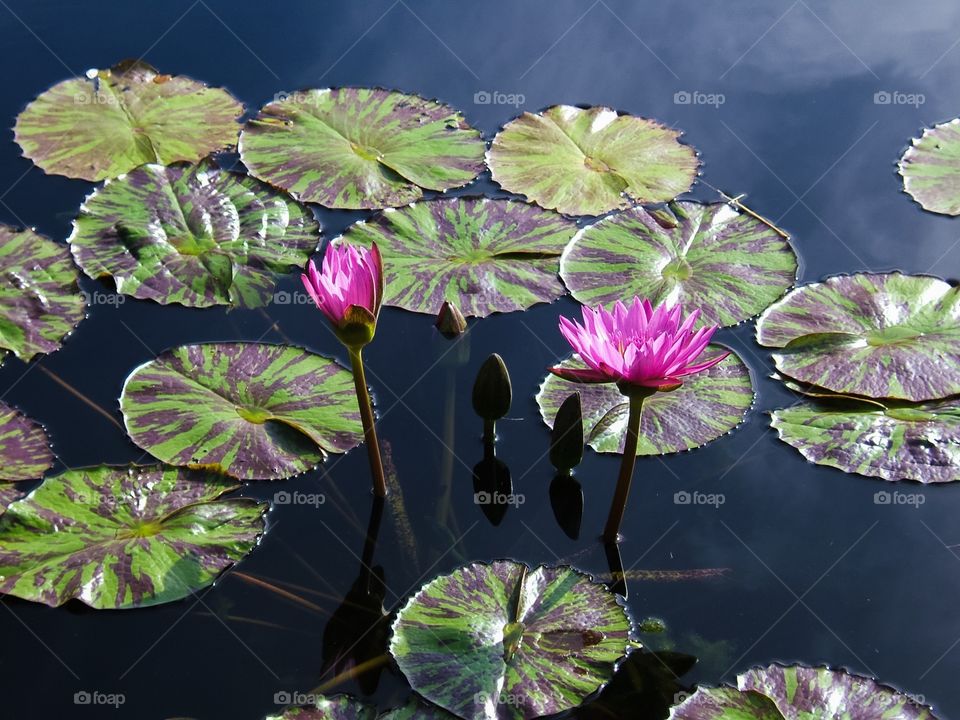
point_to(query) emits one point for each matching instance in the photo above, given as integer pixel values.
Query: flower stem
(366, 417)
(611, 533)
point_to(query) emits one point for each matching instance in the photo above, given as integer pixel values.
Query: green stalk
(366, 417)
(611, 533)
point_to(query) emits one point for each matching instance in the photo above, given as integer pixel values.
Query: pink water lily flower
(637, 345)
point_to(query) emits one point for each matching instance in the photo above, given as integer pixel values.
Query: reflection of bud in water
(492, 392)
(450, 321)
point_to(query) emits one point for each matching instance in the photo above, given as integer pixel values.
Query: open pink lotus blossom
(349, 287)
(639, 345)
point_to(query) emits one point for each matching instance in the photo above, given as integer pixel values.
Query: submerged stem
(611, 533)
(369, 429)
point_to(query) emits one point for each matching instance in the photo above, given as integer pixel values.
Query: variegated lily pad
(881, 336)
(729, 265)
(114, 120)
(480, 254)
(24, 447)
(797, 692)
(588, 161)
(931, 168)
(9, 492)
(124, 537)
(40, 301)
(706, 406)
(360, 147)
(499, 640)
(250, 410)
(344, 707)
(192, 234)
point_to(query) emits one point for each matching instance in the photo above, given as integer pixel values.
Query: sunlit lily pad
(706, 406)
(344, 707)
(24, 447)
(360, 147)
(480, 254)
(729, 265)
(882, 336)
(123, 537)
(588, 161)
(931, 168)
(9, 492)
(250, 410)
(40, 301)
(114, 120)
(800, 693)
(192, 234)
(503, 641)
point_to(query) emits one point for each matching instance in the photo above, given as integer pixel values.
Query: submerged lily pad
(588, 161)
(123, 537)
(344, 707)
(480, 254)
(192, 234)
(706, 406)
(729, 265)
(797, 692)
(881, 336)
(24, 447)
(499, 640)
(251, 410)
(40, 301)
(931, 168)
(360, 148)
(114, 120)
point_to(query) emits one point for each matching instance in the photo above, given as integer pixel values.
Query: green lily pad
(113, 120)
(502, 641)
(250, 410)
(124, 537)
(480, 254)
(344, 707)
(24, 447)
(729, 265)
(40, 301)
(9, 492)
(931, 168)
(881, 336)
(588, 161)
(192, 234)
(360, 148)
(708, 405)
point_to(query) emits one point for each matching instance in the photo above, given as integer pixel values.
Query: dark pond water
(814, 569)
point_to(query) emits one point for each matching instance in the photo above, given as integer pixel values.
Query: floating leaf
(706, 406)
(481, 254)
(931, 168)
(726, 703)
(360, 147)
(9, 492)
(250, 410)
(729, 265)
(114, 120)
(192, 234)
(344, 707)
(24, 447)
(882, 336)
(40, 302)
(503, 641)
(124, 537)
(588, 161)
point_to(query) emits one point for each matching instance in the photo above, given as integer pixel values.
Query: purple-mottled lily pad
(40, 301)
(726, 703)
(480, 254)
(250, 410)
(344, 707)
(9, 492)
(706, 406)
(24, 447)
(192, 234)
(360, 148)
(588, 161)
(113, 120)
(124, 537)
(729, 265)
(503, 641)
(931, 168)
(881, 336)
